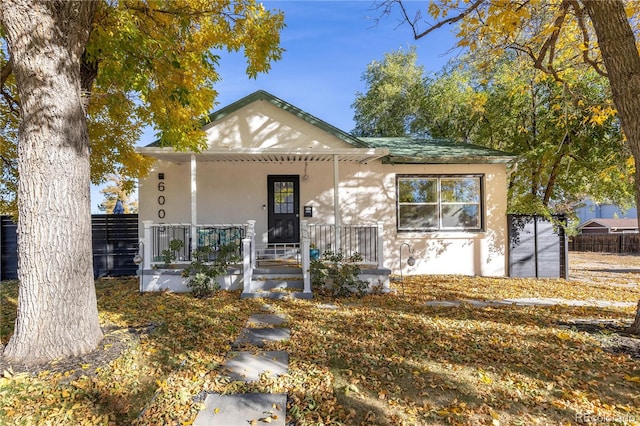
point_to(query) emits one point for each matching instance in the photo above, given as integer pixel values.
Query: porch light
(410, 261)
(305, 176)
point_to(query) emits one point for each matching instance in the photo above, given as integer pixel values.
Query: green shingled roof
(404, 150)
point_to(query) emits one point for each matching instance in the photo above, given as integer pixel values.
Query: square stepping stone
(265, 320)
(329, 306)
(243, 410)
(259, 336)
(247, 366)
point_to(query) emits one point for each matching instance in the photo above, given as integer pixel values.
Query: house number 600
(161, 199)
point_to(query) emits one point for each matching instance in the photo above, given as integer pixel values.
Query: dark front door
(284, 208)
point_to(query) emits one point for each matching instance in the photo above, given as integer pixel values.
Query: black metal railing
(361, 239)
(217, 236)
(214, 236)
(163, 235)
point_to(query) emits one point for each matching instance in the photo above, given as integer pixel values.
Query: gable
(262, 121)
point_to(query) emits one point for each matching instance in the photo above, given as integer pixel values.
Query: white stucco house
(278, 180)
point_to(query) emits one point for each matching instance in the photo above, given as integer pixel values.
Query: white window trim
(439, 203)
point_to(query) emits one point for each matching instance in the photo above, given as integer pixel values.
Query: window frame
(439, 203)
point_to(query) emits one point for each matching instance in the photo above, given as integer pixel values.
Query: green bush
(169, 255)
(203, 273)
(337, 274)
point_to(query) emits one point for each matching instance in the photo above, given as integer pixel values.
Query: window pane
(415, 190)
(460, 190)
(418, 217)
(283, 197)
(460, 216)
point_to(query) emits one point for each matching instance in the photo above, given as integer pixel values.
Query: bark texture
(622, 61)
(57, 310)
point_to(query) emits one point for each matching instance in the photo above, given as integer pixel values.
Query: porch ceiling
(358, 155)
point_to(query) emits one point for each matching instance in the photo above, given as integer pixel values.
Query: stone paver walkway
(243, 410)
(248, 366)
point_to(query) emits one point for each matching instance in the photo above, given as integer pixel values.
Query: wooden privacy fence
(114, 238)
(606, 243)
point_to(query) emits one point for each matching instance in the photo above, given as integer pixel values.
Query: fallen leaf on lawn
(629, 378)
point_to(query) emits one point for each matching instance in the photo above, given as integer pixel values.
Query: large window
(432, 203)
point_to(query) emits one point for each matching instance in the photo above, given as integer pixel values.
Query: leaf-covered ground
(378, 360)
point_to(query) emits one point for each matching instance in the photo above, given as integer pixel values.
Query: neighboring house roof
(612, 224)
(394, 150)
(404, 150)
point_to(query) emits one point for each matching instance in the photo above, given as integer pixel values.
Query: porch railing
(214, 236)
(365, 240)
(161, 237)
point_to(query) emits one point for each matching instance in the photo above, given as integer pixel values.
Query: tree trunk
(620, 54)
(57, 310)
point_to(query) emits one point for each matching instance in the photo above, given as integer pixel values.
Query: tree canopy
(115, 191)
(563, 133)
(147, 63)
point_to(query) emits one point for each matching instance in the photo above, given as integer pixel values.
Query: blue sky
(328, 45)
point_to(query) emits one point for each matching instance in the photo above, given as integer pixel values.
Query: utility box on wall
(538, 247)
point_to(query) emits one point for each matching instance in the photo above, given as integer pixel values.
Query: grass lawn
(377, 360)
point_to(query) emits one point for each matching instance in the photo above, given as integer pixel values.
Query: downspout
(336, 204)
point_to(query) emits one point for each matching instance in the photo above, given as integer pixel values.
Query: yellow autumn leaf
(484, 378)
(629, 378)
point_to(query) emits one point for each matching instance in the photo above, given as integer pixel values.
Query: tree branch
(414, 26)
(13, 104)
(8, 163)
(580, 13)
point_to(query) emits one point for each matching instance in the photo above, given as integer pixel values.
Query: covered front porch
(288, 200)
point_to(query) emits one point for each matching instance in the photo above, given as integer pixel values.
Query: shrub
(338, 274)
(203, 274)
(169, 255)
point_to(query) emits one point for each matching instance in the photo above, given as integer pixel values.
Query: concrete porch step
(269, 284)
(276, 295)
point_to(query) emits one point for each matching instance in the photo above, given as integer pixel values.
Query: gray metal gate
(538, 247)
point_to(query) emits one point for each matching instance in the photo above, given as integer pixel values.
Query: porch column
(246, 266)
(380, 245)
(251, 234)
(306, 273)
(146, 254)
(194, 204)
(336, 204)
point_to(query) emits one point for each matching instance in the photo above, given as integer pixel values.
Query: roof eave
(362, 155)
(448, 160)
